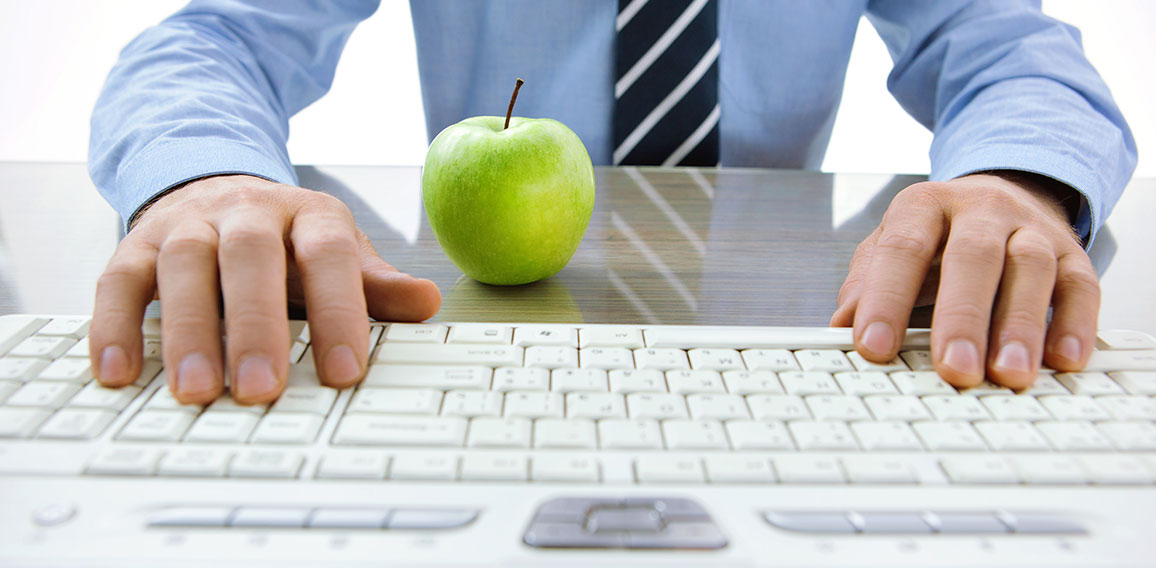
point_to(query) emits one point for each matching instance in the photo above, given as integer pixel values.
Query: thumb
(392, 295)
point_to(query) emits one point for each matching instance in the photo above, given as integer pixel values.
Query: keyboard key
(877, 469)
(861, 384)
(71, 326)
(353, 465)
(429, 519)
(811, 435)
(842, 408)
(668, 469)
(551, 357)
(1105, 361)
(824, 360)
(222, 427)
(268, 464)
(921, 383)
(752, 382)
(694, 435)
(715, 360)
(955, 407)
(95, 395)
(623, 434)
(521, 379)
(979, 469)
(125, 460)
(1074, 436)
(343, 518)
(773, 360)
(1015, 407)
(578, 380)
(452, 354)
(416, 333)
(621, 337)
(738, 469)
(690, 382)
(46, 394)
(557, 433)
(43, 347)
(777, 407)
(1136, 382)
(863, 365)
(717, 407)
(663, 359)
(76, 424)
(1123, 407)
(163, 399)
(1091, 384)
(400, 430)
(21, 422)
(1074, 407)
(595, 405)
(986, 388)
(14, 328)
(480, 333)
(67, 369)
(1045, 384)
(499, 433)
(472, 403)
(396, 401)
(1115, 339)
(888, 523)
(759, 435)
(627, 382)
(21, 368)
(270, 517)
(606, 358)
(418, 467)
(195, 462)
(534, 404)
(157, 426)
(1111, 469)
(657, 405)
(556, 335)
(565, 468)
(803, 383)
(313, 400)
(810, 522)
(1049, 470)
(687, 337)
(897, 407)
(886, 436)
(287, 428)
(190, 517)
(7, 388)
(491, 467)
(808, 469)
(918, 359)
(1130, 436)
(78, 349)
(1012, 436)
(430, 377)
(949, 436)
(226, 403)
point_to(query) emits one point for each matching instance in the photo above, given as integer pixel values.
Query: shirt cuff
(1060, 167)
(161, 167)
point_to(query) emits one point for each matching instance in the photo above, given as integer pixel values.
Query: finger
(325, 250)
(251, 256)
(188, 287)
(393, 295)
(899, 261)
(848, 298)
(972, 266)
(1076, 302)
(1016, 343)
(122, 293)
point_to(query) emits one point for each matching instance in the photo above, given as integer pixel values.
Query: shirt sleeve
(1004, 87)
(210, 91)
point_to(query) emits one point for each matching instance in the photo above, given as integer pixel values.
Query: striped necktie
(666, 94)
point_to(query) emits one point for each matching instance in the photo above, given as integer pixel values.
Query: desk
(727, 246)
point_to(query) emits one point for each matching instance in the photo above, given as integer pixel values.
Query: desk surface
(742, 246)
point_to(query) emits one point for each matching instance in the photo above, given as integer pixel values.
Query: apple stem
(513, 97)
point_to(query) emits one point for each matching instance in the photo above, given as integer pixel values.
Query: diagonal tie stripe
(666, 96)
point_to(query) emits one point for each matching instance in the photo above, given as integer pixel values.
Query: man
(189, 136)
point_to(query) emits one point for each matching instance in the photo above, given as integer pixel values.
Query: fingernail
(113, 364)
(962, 356)
(1014, 356)
(195, 375)
(1069, 348)
(878, 338)
(341, 365)
(255, 378)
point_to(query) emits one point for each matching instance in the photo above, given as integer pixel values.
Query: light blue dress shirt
(210, 90)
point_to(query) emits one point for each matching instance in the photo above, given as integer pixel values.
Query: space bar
(765, 338)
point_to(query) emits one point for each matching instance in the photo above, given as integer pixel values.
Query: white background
(54, 55)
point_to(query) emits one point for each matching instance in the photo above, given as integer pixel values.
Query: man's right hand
(256, 245)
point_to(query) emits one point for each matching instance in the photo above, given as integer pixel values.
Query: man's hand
(256, 245)
(999, 252)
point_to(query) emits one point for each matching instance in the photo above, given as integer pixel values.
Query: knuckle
(1021, 321)
(973, 249)
(324, 245)
(962, 313)
(1078, 280)
(188, 244)
(252, 319)
(249, 237)
(1033, 251)
(905, 242)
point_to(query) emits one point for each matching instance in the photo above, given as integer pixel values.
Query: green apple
(508, 200)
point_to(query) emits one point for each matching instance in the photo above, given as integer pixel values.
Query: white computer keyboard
(539, 410)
